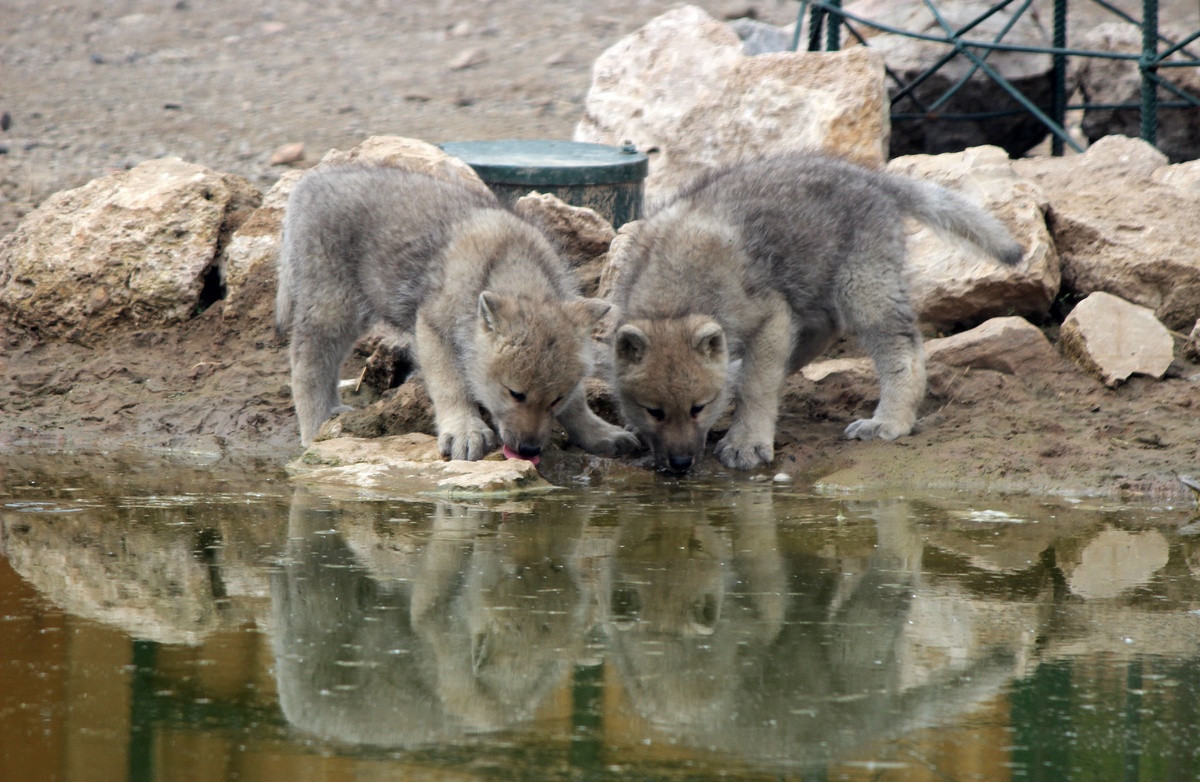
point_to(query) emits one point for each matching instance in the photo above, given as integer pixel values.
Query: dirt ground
(99, 85)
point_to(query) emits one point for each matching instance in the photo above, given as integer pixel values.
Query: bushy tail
(950, 214)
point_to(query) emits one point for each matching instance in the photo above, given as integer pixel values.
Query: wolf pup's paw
(470, 443)
(620, 442)
(744, 454)
(873, 428)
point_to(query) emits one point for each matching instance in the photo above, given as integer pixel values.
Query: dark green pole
(1058, 108)
(834, 27)
(1149, 68)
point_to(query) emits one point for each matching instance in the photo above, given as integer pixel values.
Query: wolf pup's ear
(709, 339)
(586, 312)
(631, 344)
(489, 305)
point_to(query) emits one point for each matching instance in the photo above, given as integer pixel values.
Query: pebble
(288, 154)
(782, 477)
(469, 59)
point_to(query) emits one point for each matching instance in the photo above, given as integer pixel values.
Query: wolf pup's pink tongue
(509, 453)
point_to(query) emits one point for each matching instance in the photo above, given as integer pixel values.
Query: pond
(165, 622)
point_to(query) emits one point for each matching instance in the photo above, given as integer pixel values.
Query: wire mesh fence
(821, 25)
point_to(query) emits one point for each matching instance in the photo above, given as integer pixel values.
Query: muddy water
(168, 623)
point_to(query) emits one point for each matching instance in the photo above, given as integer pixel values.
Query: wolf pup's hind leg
(895, 347)
(316, 357)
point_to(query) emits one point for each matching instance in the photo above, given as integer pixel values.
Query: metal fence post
(1148, 65)
(1058, 106)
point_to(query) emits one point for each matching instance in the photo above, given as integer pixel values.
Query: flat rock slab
(1113, 339)
(1010, 345)
(410, 465)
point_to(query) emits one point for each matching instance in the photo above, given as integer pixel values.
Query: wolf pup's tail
(950, 214)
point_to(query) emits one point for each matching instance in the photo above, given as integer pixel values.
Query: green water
(160, 622)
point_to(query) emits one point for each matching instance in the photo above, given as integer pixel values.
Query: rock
(403, 410)
(469, 59)
(681, 89)
(1185, 176)
(411, 155)
(761, 38)
(1011, 345)
(954, 282)
(909, 58)
(134, 249)
(409, 465)
(1191, 348)
(1113, 339)
(852, 370)
(1109, 82)
(248, 264)
(580, 233)
(1118, 230)
(1113, 157)
(288, 154)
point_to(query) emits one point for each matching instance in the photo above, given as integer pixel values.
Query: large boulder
(1114, 82)
(1123, 226)
(955, 282)
(134, 249)
(682, 90)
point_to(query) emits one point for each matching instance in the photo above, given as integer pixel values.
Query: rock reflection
(169, 568)
(396, 636)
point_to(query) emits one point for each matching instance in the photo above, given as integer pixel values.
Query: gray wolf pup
(765, 263)
(493, 309)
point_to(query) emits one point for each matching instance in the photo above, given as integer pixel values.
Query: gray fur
(783, 255)
(495, 313)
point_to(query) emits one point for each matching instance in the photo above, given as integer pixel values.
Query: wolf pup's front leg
(750, 441)
(462, 433)
(591, 432)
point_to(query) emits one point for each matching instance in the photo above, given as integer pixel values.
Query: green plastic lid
(560, 163)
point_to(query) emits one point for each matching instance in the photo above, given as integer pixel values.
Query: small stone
(469, 59)
(782, 477)
(288, 154)
(1113, 339)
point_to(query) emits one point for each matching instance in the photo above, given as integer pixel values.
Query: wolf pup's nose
(527, 451)
(680, 463)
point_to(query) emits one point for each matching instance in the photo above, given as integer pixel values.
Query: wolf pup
(493, 309)
(749, 273)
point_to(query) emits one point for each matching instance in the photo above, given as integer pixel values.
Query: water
(163, 623)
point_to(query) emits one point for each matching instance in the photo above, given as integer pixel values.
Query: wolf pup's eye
(656, 413)
(517, 395)
(697, 410)
(557, 399)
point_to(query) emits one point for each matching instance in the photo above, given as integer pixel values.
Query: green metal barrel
(610, 180)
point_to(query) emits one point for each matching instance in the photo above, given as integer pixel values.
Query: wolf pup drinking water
(749, 273)
(494, 310)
